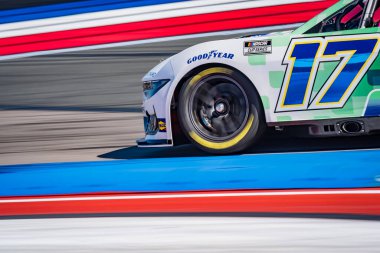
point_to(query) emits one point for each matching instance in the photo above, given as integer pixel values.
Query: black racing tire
(220, 111)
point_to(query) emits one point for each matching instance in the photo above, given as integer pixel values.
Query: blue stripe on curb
(58, 10)
(348, 169)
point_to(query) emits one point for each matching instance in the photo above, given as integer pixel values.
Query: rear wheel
(220, 111)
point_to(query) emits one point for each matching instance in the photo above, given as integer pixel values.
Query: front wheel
(220, 111)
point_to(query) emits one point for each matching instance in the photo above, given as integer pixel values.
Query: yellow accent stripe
(226, 144)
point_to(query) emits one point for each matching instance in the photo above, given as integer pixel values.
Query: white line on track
(196, 195)
(189, 235)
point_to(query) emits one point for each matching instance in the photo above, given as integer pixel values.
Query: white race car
(222, 95)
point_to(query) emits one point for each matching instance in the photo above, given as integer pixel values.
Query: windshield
(348, 18)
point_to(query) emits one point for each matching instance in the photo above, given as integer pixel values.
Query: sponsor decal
(214, 54)
(162, 125)
(257, 47)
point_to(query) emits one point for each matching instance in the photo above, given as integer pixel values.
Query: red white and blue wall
(40, 27)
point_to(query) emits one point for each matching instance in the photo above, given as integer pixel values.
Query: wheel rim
(218, 108)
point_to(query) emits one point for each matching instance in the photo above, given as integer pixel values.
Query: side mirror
(368, 22)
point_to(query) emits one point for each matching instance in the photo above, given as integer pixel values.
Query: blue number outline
(320, 57)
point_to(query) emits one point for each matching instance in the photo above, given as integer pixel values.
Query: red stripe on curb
(349, 203)
(203, 23)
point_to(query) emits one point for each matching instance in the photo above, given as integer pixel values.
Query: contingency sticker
(162, 125)
(257, 47)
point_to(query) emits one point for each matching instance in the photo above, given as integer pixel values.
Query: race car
(222, 95)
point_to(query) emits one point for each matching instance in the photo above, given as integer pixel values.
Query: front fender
(224, 52)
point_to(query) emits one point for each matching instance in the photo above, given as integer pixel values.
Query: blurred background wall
(28, 28)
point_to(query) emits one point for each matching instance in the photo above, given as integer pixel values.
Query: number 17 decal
(354, 55)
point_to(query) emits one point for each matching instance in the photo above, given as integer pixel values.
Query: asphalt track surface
(189, 234)
(75, 106)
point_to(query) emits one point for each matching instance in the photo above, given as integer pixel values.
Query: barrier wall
(81, 24)
(320, 183)
(320, 170)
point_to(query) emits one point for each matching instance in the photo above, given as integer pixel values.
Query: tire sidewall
(255, 109)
